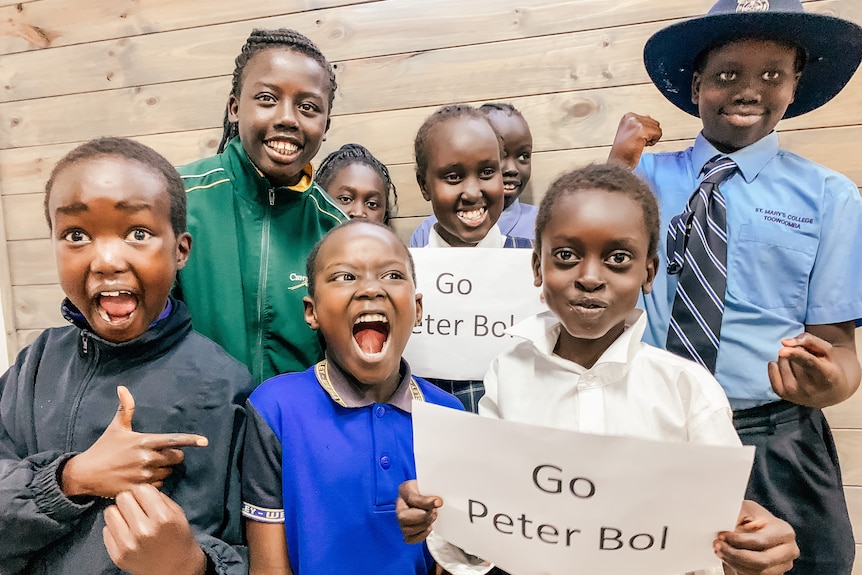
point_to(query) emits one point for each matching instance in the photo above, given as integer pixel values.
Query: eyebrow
(276, 88)
(81, 207)
(350, 188)
(350, 266)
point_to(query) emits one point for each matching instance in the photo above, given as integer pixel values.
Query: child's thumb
(126, 409)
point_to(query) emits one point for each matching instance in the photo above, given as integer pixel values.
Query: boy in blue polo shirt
(328, 447)
(783, 235)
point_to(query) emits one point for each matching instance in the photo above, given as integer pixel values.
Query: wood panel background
(159, 71)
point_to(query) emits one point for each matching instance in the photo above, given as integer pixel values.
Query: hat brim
(833, 47)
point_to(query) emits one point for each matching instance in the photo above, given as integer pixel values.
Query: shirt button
(380, 411)
(385, 463)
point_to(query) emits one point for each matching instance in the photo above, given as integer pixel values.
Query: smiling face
(463, 180)
(117, 254)
(359, 190)
(282, 112)
(364, 304)
(517, 160)
(744, 90)
(592, 267)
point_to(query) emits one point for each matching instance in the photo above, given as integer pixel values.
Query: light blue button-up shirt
(794, 254)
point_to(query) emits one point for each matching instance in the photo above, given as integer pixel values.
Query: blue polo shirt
(794, 233)
(518, 220)
(326, 462)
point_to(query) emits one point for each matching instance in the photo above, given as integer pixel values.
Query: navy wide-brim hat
(833, 48)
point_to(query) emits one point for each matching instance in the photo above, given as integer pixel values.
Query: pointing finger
(159, 441)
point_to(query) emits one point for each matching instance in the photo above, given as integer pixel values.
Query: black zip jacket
(58, 398)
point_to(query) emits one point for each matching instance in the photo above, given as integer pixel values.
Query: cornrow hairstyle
(440, 115)
(358, 154)
(311, 261)
(263, 39)
(132, 151)
(605, 177)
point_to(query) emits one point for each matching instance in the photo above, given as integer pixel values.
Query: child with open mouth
(327, 448)
(143, 485)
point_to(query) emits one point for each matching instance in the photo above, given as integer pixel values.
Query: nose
(370, 288)
(108, 257)
(749, 90)
(357, 210)
(287, 115)
(509, 166)
(471, 191)
(590, 279)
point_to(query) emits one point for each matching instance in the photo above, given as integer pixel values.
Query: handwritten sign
(536, 500)
(470, 297)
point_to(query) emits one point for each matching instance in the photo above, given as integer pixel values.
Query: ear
(651, 269)
(420, 179)
(537, 269)
(418, 309)
(184, 247)
(326, 129)
(310, 314)
(232, 109)
(695, 88)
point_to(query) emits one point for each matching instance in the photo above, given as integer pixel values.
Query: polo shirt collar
(342, 391)
(750, 159)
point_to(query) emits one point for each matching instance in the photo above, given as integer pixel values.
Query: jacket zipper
(262, 279)
(82, 386)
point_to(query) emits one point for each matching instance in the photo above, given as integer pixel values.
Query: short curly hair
(601, 177)
(134, 151)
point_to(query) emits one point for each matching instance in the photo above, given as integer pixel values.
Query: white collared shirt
(493, 239)
(633, 390)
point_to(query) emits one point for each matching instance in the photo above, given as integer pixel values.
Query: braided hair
(440, 115)
(263, 39)
(358, 154)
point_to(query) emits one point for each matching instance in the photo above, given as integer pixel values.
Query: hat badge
(752, 5)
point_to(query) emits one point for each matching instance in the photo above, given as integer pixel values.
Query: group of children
(128, 441)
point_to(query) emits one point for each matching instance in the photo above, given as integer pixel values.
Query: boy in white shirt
(583, 367)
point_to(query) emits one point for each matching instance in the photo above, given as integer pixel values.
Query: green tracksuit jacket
(245, 279)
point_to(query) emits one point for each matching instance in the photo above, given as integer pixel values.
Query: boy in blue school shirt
(784, 347)
(328, 447)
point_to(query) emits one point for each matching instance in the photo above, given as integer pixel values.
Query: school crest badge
(752, 5)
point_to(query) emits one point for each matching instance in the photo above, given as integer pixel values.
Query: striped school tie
(697, 251)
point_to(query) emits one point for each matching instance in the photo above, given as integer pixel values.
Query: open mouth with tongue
(371, 332)
(116, 306)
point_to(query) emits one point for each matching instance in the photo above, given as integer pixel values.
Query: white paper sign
(469, 297)
(536, 500)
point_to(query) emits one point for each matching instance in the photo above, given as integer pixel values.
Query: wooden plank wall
(158, 71)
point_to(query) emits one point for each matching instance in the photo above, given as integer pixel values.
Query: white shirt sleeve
(453, 559)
